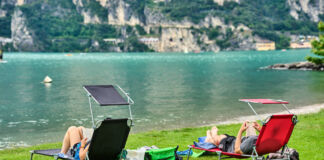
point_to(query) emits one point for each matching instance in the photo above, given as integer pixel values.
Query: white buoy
(47, 79)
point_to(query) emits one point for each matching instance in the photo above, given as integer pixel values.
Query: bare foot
(214, 131)
(209, 138)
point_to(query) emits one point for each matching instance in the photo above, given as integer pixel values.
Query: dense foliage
(96, 9)
(318, 47)
(65, 31)
(58, 24)
(5, 22)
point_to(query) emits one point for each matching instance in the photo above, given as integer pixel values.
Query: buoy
(47, 79)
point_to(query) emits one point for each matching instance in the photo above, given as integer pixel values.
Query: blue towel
(202, 139)
(184, 153)
(205, 145)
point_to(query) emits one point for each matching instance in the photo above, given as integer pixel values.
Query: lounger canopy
(107, 95)
(264, 101)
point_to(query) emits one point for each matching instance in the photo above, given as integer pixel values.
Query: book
(87, 133)
(250, 131)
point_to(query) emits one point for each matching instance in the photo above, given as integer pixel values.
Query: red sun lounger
(275, 134)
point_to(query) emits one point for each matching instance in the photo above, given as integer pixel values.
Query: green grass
(307, 138)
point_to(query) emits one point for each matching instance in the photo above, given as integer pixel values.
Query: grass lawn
(307, 139)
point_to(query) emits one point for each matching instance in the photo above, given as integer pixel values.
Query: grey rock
(296, 66)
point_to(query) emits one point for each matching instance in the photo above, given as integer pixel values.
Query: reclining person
(75, 142)
(239, 144)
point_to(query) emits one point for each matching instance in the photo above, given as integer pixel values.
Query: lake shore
(310, 126)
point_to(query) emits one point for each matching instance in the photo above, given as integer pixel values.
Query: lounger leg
(31, 156)
(219, 154)
(189, 153)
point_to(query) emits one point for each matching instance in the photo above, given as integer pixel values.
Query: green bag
(162, 154)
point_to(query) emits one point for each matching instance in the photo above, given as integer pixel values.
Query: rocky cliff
(313, 8)
(162, 30)
(23, 38)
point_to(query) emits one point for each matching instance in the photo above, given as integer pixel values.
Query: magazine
(87, 133)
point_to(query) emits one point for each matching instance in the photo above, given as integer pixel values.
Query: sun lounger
(275, 134)
(108, 141)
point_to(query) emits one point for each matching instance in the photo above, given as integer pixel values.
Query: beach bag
(138, 154)
(162, 154)
(293, 155)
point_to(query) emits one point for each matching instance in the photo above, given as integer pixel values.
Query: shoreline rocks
(297, 66)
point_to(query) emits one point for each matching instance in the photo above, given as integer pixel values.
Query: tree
(318, 47)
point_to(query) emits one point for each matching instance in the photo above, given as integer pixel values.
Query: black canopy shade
(105, 95)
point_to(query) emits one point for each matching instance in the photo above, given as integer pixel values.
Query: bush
(318, 47)
(140, 30)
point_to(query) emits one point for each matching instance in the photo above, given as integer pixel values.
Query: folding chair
(109, 139)
(275, 134)
(107, 142)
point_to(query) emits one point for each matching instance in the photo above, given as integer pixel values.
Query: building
(265, 46)
(297, 45)
(113, 40)
(149, 40)
(302, 41)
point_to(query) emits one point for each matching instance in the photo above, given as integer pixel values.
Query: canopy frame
(90, 96)
(265, 101)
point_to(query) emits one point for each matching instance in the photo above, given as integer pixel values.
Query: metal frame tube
(252, 108)
(126, 94)
(286, 108)
(93, 123)
(129, 100)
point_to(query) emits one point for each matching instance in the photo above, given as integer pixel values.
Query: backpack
(293, 154)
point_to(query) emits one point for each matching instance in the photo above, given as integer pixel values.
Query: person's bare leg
(72, 136)
(214, 134)
(209, 137)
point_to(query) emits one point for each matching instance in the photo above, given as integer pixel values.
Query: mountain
(154, 25)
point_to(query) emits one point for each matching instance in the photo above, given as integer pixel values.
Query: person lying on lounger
(238, 144)
(75, 142)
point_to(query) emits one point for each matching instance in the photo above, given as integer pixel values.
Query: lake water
(170, 90)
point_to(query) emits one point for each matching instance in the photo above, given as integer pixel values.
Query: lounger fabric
(275, 134)
(264, 101)
(234, 155)
(52, 153)
(105, 95)
(109, 139)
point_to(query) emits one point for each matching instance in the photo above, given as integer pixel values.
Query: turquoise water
(170, 90)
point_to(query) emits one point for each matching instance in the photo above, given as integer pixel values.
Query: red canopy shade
(264, 101)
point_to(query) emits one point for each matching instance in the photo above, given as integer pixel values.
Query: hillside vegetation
(58, 24)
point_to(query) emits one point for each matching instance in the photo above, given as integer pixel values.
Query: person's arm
(237, 148)
(257, 126)
(83, 150)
